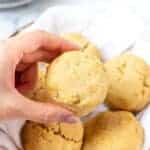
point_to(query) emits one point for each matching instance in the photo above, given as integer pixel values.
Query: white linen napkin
(112, 31)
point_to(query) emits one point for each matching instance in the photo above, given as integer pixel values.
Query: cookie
(129, 78)
(56, 136)
(40, 93)
(85, 45)
(113, 131)
(77, 80)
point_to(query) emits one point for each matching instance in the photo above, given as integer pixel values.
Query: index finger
(32, 41)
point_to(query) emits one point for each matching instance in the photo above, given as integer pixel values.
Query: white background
(11, 19)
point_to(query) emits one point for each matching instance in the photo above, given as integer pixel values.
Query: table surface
(12, 19)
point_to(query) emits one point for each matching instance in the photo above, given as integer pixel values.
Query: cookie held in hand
(77, 80)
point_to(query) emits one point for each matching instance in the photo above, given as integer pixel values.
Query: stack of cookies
(82, 81)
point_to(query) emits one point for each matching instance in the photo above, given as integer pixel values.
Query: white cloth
(113, 31)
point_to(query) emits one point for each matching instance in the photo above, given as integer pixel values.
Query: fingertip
(69, 46)
(60, 114)
(70, 119)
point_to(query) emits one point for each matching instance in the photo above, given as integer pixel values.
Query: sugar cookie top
(78, 80)
(129, 78)
(113, 130)
(81, 41)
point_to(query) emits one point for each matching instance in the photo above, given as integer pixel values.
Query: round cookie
(129, 78)
(113, 131)
(56, 136)
(83, 43)
(77, 80)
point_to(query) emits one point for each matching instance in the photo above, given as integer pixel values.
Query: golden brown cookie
(113, 131)
(56, 136)
(129, 78)
(85, 45)
(40, 92)
(77, 80)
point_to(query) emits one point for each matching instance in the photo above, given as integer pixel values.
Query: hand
(18, 72)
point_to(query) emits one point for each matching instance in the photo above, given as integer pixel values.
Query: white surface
(142, 49)
(12, 19)
(145, 121)
(108, 30)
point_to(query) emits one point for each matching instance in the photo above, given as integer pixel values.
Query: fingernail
(74, 46)
(71, 119)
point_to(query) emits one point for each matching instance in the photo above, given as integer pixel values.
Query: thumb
(41, 112)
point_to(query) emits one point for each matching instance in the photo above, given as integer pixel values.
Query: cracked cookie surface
(78, 80)
(129, 78)
(113, 131)
(85, 45)
(56, 136)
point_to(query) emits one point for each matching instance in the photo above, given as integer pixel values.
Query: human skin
(18, 71)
